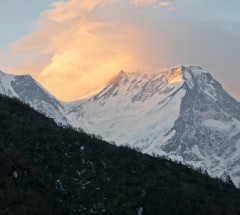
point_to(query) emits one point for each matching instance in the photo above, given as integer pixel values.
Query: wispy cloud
(158, 3)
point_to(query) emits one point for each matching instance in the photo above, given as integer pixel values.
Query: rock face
(182, 113)
(207, 131)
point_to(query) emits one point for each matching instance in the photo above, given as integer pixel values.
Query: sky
(72, 47)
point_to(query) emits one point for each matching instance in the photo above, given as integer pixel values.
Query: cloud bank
(77, 45)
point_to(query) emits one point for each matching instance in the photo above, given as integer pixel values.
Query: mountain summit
(182, 113)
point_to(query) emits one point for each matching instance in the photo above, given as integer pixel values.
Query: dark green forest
(48, 169)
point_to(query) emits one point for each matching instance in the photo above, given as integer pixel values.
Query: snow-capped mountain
(25, 88)
(182, 113)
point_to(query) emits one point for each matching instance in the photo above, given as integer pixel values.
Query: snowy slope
(25, 88)
(125, 111)
(182, 113)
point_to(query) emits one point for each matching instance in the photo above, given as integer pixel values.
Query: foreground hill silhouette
(47, 169)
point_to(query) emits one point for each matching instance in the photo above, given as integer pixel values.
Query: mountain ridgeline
(182, 113)
(47, 169)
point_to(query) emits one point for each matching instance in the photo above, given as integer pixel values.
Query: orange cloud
(72, 49)
(70, 52)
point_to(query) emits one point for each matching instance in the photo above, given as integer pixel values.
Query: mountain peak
(188, 67)
(25, 88)
(189, 74)
(192, 67)
(121, 72)
(176, 75)
(174, 71)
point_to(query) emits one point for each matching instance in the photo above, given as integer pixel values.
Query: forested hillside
(47, 169)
